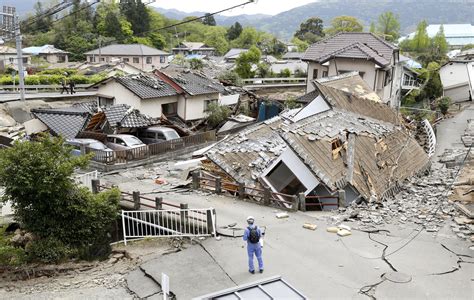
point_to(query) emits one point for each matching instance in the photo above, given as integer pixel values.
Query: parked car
(135, 148)
(157, 134)
(102, 152)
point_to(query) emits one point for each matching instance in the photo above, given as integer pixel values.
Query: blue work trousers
(257, 250)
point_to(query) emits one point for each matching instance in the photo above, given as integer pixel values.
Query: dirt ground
(95, 280)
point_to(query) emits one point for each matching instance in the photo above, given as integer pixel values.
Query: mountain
(220, 19)
(411, 12)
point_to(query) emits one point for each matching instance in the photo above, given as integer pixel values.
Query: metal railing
(411, 82)
(274, 80)
(168, 223)
(42, 87)
(431, 137)
(86, 179)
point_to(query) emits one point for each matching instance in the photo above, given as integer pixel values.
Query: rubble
(310, 226)
(281, 215)
(421, 200)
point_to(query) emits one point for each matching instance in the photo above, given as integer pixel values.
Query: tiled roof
(127, 50)
(126, 116)
(348, 102)
(380, 151)
(67, 122)
(306, 98)
(350, 44)
(246, 155)
(46, 49)
(193, 83)
(234, 52)
(146, 87)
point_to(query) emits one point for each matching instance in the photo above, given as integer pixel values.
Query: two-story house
(376, 60)
(168, 92)
(140, 56)
(194, 48)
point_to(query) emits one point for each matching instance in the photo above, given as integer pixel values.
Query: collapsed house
(344, 139)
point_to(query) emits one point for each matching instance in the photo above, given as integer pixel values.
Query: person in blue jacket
(252, 236)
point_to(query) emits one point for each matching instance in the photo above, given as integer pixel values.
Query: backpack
(254, 237)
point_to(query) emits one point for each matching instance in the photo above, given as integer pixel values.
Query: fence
(140, 153)
(266, 196)
(168, 223)
(86, 179)
(431, 137)
(42, 87)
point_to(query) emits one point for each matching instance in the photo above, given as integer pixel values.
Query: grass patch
(9, 255)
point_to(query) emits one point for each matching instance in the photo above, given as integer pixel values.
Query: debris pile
(422, 200)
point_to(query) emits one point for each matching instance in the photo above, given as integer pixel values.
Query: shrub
(61, 72)
(80, 79)
(231, 77)
(32, 80)
(217, 114)
(55, 79)
(6, 80)
(11, 256)
(47, 250)
(285, 73)
(443, 104)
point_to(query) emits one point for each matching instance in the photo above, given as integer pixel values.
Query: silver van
(102, 153)
(157, 134)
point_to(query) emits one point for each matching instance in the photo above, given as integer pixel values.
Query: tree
(302, 45)
(388, 25)
(439, 46)
(310, 30)
(38, 180)
(247, 39)
(443, 105)
(234, 31)
(217, 114)
(344, 24)
(245, 62)
(372, 28)
(42, 23)
(215, 37)
(196, 64)
(285, 73)
(209, 20)
(421, 41)
(137, 14)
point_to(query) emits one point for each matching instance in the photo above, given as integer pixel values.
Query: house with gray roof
(194, 48)
(49, 53)
(376, 61)
(173, 92)
(232, 54)
(140, 56)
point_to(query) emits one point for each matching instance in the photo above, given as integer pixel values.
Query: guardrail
(42, 87)
(274, 80)
(145, 152)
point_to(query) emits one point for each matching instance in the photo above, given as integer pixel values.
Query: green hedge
(51, 79)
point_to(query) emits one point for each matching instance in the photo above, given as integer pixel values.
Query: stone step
(142, 285)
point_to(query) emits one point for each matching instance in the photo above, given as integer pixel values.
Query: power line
(77, 11)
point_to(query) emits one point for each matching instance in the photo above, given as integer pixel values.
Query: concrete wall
(54, 58)
(142, 64)
(195, 106)
(312, 66)
(152, 107)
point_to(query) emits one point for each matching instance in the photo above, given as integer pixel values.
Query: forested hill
(409, 11)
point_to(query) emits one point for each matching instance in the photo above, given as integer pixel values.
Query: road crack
(459, 262)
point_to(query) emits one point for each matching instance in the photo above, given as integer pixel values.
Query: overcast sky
(269, 7)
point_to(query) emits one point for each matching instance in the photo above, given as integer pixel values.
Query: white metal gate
(168, 223)
(431, 137)
(86, 179)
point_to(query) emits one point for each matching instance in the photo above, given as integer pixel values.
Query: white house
(457, 77)
(194, 48)
(8, 58)
(48, 53)
(184, 94)
(140, 56)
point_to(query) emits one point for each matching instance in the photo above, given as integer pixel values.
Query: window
(162, 59)
(325, 73)
(148, 60)
(208, 102)
(169, 109)
(61, 58)
(125, 59)
(136, 60)
(315, 73)
(25, 60)
(11, 59)
(102, 59)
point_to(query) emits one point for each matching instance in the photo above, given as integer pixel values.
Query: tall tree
(43, 23)
(421, 41)
(388, 25)
(209, 20)
(310, 30)
(215, 37)
(234, 31)
(137, 14)
(247, 39)
(344, 24)
(439, 46)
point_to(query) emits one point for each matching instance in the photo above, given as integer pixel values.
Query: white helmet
(250, 219)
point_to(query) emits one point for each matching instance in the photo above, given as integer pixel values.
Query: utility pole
(11, 26)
